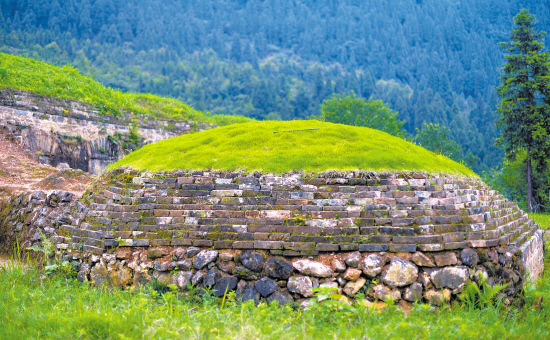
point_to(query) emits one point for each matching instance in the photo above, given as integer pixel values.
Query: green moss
(122, 177)
(124, 243)
(262, 146)
(164, 234)
(295, 221)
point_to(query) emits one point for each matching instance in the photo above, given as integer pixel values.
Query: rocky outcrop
(65, 132)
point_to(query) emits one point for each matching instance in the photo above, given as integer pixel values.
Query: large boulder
(99, 274)
(253, 260)
(281, 296)
(266, 286)
(352, 274)
(250, 293)
(422, 260)
(383, 293)
(450, 277)
(278, 268)
(301, 285)
(352, 287)
(437, 297)
(313, 268)
(353, 259)
(400, 273)
(225, 284)
(121, 276)
(447, 259)
(413, 292)
(211, 277)
(204, 257)
(371, 265)
(183, 279)
(245, 273)
(469, 257)
(178, 254)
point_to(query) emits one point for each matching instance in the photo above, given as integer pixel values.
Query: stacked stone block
(402, 236)
(29, 216)
(297, 215)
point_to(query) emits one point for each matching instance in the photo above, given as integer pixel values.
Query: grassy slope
(66, 82)
(255, 146)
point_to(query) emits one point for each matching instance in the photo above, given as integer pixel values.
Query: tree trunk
(529, 184)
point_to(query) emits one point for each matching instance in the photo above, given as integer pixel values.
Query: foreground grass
(35, 306)
(275, 146)
(66, 82)
(543, 219)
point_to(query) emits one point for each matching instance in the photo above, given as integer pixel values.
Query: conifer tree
(524, 107)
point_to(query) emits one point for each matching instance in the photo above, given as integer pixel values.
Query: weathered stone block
(373, 247)
(450, 277)
(405, 248)
(204, 257)
(422, 260)
(327, 247)
(371, 265)
(313, 268)
(268, 245)
(400, 273)
(446, 259)
(437, 297)
(301, 285)
(352, 287)
(352, 274)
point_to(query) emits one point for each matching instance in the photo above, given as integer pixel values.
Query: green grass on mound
(66, 82)
(275, 146)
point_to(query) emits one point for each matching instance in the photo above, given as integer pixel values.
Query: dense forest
(432, 61)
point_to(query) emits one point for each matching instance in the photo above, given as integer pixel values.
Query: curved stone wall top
(295, 214)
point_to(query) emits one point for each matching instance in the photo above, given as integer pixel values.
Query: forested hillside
(431, 61)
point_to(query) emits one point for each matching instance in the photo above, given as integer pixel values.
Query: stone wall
(407, 236)
(66, 131)
(29, 215)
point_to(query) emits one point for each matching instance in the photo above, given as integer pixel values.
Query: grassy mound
(66, 82)
(275, 146)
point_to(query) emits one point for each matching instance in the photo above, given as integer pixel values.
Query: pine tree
(524, 107)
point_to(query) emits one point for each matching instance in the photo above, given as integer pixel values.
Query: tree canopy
(351, 110)
(524, 110)
(435, 137)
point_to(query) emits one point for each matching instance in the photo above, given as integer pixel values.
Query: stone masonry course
(408, 236)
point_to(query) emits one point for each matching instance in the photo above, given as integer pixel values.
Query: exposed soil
(21, 171)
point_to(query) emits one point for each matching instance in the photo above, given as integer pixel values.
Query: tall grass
(66, 82)
(36, 306)
(543, 219)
